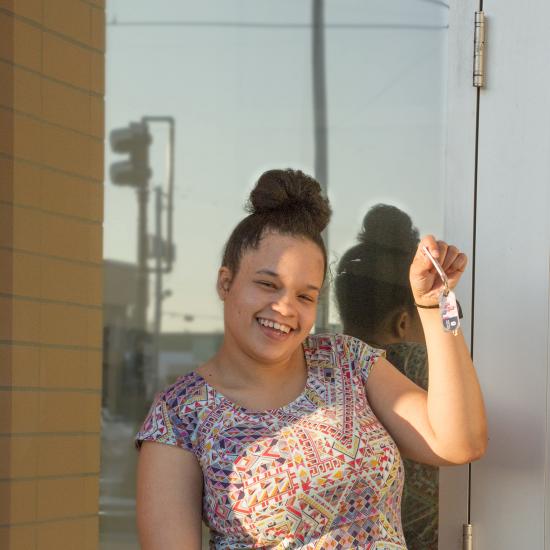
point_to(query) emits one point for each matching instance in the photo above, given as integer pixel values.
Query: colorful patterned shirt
(319, 473)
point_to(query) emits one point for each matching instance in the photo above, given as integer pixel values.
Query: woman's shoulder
(343, 343)
(185, 392)
(173, 416)
(337, 347)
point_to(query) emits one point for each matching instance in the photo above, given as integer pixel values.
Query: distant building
(119, 292)
(181, 352)
(127, 353)
(122, 358)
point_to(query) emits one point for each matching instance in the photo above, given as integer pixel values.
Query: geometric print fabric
(319, 473)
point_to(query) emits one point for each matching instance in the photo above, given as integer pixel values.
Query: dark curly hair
(287, 202)
(372, 280)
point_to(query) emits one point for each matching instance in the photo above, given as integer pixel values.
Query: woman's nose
(284, 306)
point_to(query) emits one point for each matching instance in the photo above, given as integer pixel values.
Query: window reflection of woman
(282, 439)
(376, 304)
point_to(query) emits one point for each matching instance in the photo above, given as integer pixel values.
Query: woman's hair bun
(388, 226)
(290, 193)
(284, 202)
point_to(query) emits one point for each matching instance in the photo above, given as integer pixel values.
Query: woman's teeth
(277, 326)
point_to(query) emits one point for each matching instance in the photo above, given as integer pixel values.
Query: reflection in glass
(376, 304)
(237, 77)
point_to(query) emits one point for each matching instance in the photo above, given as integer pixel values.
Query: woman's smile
(273, 329)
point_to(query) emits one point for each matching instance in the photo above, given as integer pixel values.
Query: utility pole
(135, 172)
(142, 297)
(320, 135)
(159, 295)
(163, 251)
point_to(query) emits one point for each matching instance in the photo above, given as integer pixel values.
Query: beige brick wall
(51, 208)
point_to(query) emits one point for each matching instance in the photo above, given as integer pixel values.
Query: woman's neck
(253, 385)
(235, 369)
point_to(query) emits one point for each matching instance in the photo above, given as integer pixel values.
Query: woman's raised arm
(447, 424)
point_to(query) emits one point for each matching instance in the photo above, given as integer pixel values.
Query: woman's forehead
(283, 253)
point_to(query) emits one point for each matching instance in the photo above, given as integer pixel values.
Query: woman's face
(270, 304)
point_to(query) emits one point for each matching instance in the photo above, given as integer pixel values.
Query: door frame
(459, 219)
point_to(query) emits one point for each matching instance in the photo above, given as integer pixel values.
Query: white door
(510, 500)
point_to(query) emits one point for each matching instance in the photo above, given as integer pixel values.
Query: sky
(236, 76)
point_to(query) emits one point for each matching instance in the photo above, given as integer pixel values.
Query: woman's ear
(224, 282)
(406, 327)
(400, 325)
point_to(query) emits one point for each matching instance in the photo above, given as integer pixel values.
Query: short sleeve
(165, 424)
(363, 356)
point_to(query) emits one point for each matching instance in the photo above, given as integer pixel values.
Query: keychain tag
(448, 307)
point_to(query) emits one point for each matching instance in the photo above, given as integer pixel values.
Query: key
(448, 307)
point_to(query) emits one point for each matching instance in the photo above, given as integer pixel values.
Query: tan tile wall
(51, 209)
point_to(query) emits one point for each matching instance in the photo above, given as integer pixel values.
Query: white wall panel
(510, 486)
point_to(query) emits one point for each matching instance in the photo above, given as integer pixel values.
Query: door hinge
(479, 49)
(467, 532)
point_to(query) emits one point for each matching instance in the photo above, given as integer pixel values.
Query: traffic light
(135, 140)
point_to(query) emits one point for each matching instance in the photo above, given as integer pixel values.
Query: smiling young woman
(289, 440)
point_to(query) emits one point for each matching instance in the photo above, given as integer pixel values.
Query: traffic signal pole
(135, 172)
(169, 257)
(159, 294)
(142, 290)
(163, 250)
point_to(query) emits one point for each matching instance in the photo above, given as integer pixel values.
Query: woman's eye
(307, 298)
(266, 284)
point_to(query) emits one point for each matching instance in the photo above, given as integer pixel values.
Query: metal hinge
(467, 531)
(479, 47)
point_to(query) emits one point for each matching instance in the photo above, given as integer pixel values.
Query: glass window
(239, 81)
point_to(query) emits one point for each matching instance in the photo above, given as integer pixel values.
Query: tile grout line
(32, 23)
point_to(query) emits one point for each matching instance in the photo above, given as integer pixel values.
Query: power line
(291, 26)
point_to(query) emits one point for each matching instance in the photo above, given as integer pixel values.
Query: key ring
(439, 270)
(448, 306)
